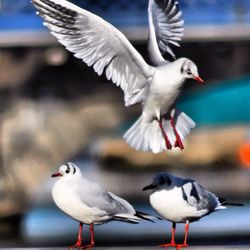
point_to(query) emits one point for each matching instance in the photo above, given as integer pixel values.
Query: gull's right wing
(165, 28)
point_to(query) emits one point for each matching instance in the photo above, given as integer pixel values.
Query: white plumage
(101, 45)
(88, 203)
(182, 201)
(175, 208)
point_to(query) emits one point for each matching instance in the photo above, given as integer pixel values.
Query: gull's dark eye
(162, 181)
(189, 72)
(67, 171)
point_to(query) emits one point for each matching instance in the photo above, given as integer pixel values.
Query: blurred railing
(220, 20)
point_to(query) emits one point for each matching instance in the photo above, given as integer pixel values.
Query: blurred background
(53, 109)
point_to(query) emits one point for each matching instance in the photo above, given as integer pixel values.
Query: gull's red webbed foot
(77, 245)
(87, 246)
(179, 246)
(171, 244)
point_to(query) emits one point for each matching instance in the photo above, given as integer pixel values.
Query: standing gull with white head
(101, 45)
(87, 202)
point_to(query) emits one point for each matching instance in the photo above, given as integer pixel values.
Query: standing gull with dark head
(182, 201)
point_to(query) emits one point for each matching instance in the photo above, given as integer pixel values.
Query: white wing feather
(165, 28)
(98, 44)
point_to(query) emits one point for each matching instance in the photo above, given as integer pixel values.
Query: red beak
(56, 175)
(198, 79)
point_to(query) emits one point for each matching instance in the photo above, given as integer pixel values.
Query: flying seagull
(99, 44)
(182, 201)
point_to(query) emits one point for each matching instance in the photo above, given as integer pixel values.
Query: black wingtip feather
(143, 216)
(118, 218)
(56, 7)
(225, 203)
(232, 204)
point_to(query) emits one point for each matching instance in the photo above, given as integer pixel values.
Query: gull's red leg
(172, 243)
(92, 236)
(178, 142)
(186, 233)
(79, 238)
(179, 246)
(173, 233)
(168, 144)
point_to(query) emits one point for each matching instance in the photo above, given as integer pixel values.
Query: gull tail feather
(146, 216)
(127, 218)
(147, 136)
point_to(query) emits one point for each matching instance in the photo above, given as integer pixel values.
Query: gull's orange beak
(56, 175)
(199, 79)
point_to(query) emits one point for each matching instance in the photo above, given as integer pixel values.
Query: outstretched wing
(98, 44)
(165, 28)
